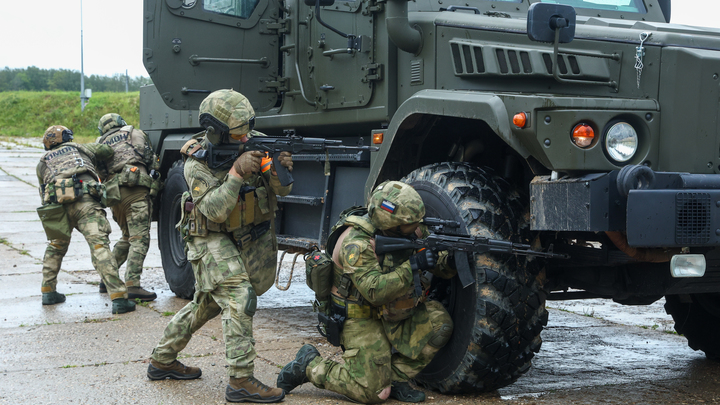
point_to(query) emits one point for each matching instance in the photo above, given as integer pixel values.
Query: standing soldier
(133, 168)
(228, 223)
(70, 191)
(390, 333)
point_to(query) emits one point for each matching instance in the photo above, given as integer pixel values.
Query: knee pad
(441, 336)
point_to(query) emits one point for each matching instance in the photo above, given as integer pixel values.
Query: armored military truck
(583, 127)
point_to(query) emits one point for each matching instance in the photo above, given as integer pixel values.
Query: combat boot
(174, 370)
(140, 293)
(52, 298)
(122, 305)
(293, 374)
(249, 389)
(102, 288)
(403, 392)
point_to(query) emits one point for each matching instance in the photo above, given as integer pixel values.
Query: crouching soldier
(391, 332)
(71, 194)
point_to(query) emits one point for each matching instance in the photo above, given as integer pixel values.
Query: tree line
(36, 79)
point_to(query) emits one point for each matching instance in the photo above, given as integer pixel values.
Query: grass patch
(168, 313)
(142, 303)
(29, 113)
(69, 366)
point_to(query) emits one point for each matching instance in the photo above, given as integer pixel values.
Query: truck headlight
(688, 265)
(621, 142)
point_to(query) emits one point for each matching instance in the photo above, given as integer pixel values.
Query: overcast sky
(46, 33)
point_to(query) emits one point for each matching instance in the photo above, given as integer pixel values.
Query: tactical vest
(394, 311)
(68, 160)
(130, 148)
(250, 218)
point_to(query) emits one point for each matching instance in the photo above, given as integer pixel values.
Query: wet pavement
(594, 351)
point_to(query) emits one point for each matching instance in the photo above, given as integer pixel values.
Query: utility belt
(132, 176)
(69, 190)
(254, 234)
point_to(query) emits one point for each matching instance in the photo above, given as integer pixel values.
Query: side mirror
(544, 18)
(323, 3)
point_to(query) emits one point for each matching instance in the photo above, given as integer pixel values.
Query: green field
(28, 113)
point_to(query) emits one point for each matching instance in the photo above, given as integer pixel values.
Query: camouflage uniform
(390, 334)
(228, 279)
(86, 214)
(131, 164)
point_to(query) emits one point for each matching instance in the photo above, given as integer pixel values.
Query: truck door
(194, 47)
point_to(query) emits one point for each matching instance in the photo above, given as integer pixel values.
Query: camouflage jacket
(216, 195)
(382, 284)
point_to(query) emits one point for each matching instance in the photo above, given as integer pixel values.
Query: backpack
(319, 264)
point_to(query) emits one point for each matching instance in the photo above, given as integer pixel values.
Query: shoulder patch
(352, 254)
(198, 187)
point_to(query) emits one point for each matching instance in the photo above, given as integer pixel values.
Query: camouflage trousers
(369, 362)
(235, 299)
(88, 217)
(133, 214)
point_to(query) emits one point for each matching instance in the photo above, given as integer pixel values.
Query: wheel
(178, 271)
(697, 317)
(498, 319)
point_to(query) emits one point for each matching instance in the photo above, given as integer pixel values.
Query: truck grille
(692, 218)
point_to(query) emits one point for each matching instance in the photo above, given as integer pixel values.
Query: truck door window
(235, 8)
(632, 6)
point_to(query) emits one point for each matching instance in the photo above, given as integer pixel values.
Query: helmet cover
(55, 135)
(110, 121)
(394, 203)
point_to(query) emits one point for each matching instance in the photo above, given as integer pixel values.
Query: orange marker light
(378, 138)
(520, 120)
(583, 135)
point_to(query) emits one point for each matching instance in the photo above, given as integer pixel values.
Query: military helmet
(394, 203)
(110, 121)
(226, 111)
(55, 135)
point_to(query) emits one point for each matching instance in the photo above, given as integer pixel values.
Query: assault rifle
(218, 155)
(461, 246)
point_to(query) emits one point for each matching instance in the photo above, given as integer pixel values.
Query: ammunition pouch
(63, 191)
(319, 273)
(188, 225)
(331, 324)
(55, 221)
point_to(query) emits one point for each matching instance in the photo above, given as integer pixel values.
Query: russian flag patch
(388, 206)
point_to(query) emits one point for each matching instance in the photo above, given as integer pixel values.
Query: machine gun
(461, 246)
(218, 155)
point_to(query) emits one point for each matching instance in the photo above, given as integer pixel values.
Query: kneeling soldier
(391, 332)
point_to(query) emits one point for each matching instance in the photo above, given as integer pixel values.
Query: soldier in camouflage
(133, 166)
(228, 223)
(68, 179)
(391, 332)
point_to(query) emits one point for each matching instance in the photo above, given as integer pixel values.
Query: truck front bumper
(671, 210)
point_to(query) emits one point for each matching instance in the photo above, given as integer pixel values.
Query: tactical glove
(248, 163)
(285, 159)
(423, 260)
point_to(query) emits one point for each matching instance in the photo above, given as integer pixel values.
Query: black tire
(178, 271)
(497, 320)
(697, 317)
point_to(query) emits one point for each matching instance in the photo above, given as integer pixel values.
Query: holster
(331, 326)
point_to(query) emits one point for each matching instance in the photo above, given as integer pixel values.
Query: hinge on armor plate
(374, 7)
(273, 84)
(274, 27)
(373, 72)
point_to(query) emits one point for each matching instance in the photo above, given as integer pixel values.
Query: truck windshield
(632, 6)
